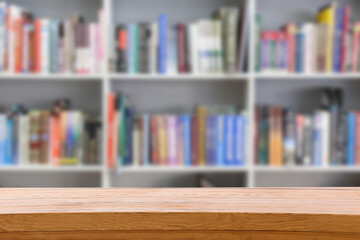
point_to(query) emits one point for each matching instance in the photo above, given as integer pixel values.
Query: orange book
(55, 140)
(279, 139)
(37, 54)
(201, 115)
(18, 25)
(110, 131)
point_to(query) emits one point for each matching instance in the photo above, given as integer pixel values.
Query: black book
(144, 41)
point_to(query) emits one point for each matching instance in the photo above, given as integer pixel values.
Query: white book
(136, 146)
(23, 139)
(309, 31)
(2, 34)
(14, 15)
(194, 48)
(325, 136)
(153, 48)
(45, 46)
(204, 46)
(218, 51)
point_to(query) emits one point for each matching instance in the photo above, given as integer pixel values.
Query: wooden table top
(216, 209)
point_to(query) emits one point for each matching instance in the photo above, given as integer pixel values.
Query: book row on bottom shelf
(330, 44)
(213, 45)
(59, 136)
(212, 136)
(329, 136)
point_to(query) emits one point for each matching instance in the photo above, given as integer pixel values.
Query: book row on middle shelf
(329, 44)
(58, 137)
(328, 137)
(213, 136)
(216, 45)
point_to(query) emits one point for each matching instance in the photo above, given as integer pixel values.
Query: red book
(154, 140)
(18, 28)
(55, 140)
(110, 130)
(181, 47)
(357, 139)
(344, 40)
(37, 43)
(194, 141)
(290, 30)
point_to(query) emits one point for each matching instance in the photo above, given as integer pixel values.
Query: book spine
(121, 49)
(110, 133)
(355, 47)
(163, 153)
(135, 143)
(180, 141)
(308, 141)
(181, 48)
(357, 139)
(317, 139)
(187, 139)
(3, 132)
(146, 140)
(194, 47)
(194, 141)
(233, 19)
(220, 141)
(339, 21)
(351, 139)
(162, 55)
(144, 35)
(240, 137)
(300, 52)
(201, 115)
(171, 140)
(45, 54)
(209, 159)
(344, 39)
(228, 136)
(128, 158)
(130, 54)
(153, 58)
(300, 131)
(3, 8)
(325, 132)
(154, 141)
(9, 141)
(263, 134)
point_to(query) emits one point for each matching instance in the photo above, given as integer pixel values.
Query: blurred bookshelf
(177, 93)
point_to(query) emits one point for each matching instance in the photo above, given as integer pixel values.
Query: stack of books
(37, 45)
(40, 137)
(329, 44)
(216, 45)
(213, 136)
(330, 136)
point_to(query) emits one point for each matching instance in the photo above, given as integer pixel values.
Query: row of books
(329, 44)
(48, 137)
(327, 137)
(213, 45)
(213, 136)
(37, 45)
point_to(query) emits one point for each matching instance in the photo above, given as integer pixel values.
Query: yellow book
(201, 114)
(162, 140)
(326, 15)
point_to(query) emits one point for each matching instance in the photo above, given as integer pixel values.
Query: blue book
(240, 134)
(146, 140)
(54, 43)
(8, 141)
(210, 143)
(339, 22)
(351, 139)
(129, 139)
(299, 55)
(229, 140)
(130, 59)
(3, 134)
(162, 51)
(220, 143)
(186, 119)
(317, 150)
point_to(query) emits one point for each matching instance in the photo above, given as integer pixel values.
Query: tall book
(327, 16)
(162, 38)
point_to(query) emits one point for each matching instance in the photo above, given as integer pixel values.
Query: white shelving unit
(177, 94)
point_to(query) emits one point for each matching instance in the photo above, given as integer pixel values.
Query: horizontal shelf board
(65, 77)
(185, 77)
(307, 169)
(322, 76)
(180, 169)
(38, 168)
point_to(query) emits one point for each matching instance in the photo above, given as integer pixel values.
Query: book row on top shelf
(328, 44)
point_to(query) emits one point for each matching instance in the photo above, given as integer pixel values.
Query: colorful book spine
(171, 140)
(162, 54)
(240, 136)
(146, 139)
(187, 139)
(3, 134)
(338, 32)
(229, 140)
(220, 141)
(345, 39)
(351, 139)
(110, 132)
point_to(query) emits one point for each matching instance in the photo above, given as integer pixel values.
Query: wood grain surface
(180, 213)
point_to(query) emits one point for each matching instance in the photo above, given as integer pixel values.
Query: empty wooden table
(311, 213)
